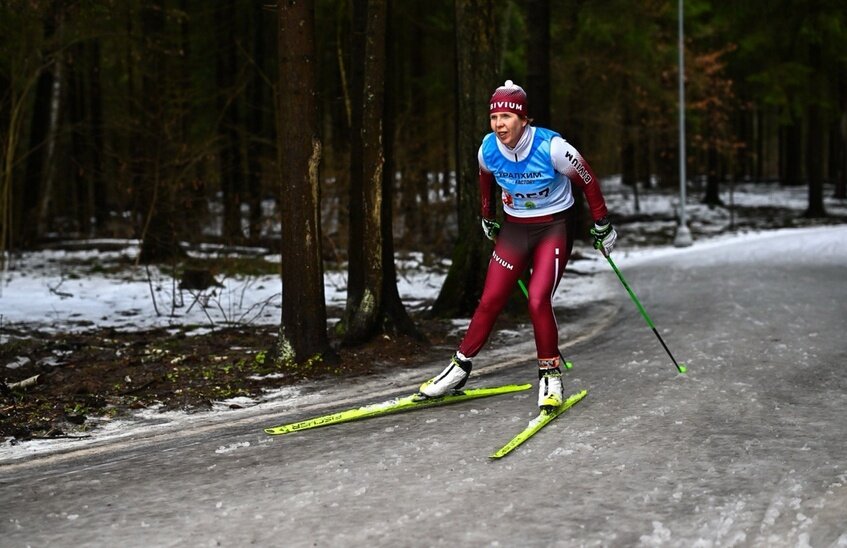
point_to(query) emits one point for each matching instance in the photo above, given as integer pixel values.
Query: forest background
(338, 132)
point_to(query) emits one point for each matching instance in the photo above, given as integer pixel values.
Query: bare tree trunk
(27, 225)
(396, 318)
(10, 115)
(744, 156)
(302, 333)
(255, 93)
(759, 146)
(841, 170)
(232, 179)
(155, 185)
(414, 197)
(356, 229)
(56, 108)
(477, 58)
(643, 170)
(629, 132)
(365, 279)
(78, 118)
(814, 144)
(538, 60)
(791, 153)
(712, 196)
(840, 138)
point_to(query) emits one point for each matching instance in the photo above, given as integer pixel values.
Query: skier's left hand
(491, 228)
(605, 236)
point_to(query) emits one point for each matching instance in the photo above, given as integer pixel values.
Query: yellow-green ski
(397, 405)
(536, 424)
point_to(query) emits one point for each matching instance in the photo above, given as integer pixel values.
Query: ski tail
(536, 424)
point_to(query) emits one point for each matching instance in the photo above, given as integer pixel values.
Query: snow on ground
(61, 290)
(53, 290)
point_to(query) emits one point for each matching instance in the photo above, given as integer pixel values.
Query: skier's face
(508, 126)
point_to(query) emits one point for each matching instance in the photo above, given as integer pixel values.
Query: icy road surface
(749, 448)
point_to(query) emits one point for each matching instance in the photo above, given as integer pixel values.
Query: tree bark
(414, 195)
(26, 227)
(477, 58)
(628, 137)
(814, 144)
(712, 196)
(365, 278)
(78, 117)
(791, 153)
(759, 143)
(839, 147)
(56, 109)
(396, 319)
(538, 60)
(10, 109)
(355, 205)
(255, 126)
(629, 154)
(95, 102)
(232, 177)
(302, 334)
(155, 189)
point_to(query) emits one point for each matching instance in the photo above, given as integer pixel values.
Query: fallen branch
(26, 383)
(60, 436)
(61, 294)
(150, 285)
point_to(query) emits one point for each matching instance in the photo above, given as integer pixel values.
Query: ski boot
(550, 388)
(452, 378)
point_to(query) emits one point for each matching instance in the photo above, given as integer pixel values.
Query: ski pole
(566, 363)
(679, 366)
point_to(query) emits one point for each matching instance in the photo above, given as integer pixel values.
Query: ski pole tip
(568, 365)
(682, 368)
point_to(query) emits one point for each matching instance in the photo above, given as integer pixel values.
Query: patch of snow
(268, 376)
(20, 361)
(150, 421)
(229, 449)
(660, 536)
(234, 403)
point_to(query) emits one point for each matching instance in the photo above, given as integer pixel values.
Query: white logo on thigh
(502, 262)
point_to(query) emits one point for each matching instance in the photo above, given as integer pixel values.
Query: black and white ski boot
(550, 388)
(451, 379)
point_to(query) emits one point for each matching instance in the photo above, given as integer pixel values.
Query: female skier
(535, 169)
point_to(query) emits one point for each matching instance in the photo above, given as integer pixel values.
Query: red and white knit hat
(509, 98)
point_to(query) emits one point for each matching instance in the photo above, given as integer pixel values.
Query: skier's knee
(539, 306)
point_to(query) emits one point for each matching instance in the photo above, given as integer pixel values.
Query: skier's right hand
(491, 228)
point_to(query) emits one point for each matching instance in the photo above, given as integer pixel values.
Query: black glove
(491, 228)
(604, 236)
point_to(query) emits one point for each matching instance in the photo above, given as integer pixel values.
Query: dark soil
(109, 373)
